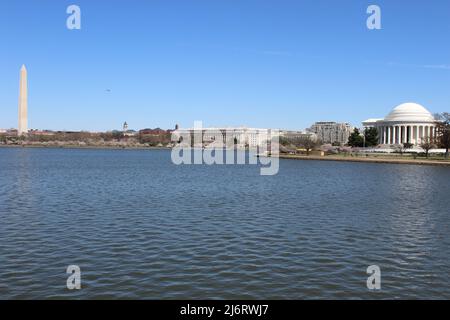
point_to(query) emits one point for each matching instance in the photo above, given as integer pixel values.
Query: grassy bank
(397, 159)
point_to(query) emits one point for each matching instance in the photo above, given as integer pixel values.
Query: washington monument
(23, 102)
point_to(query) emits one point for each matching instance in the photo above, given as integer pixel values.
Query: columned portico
(407, 123)
(388, 129)
(405, 134)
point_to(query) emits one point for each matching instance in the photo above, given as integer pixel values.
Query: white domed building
(407, 123)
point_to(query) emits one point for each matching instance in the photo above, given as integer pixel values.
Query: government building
(407, 123)
(239, 136)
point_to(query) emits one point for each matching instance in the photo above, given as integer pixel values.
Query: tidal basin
(141, 227)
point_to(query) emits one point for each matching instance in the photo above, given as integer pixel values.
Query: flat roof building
(329, 132)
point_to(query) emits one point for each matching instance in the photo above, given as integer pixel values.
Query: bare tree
(427, 144)
(306, 142)
(443, 129)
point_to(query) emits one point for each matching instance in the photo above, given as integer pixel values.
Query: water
(140, 227)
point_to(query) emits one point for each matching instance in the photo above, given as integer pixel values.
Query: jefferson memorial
(407, 123)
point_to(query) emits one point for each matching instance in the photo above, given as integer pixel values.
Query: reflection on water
(140, 227)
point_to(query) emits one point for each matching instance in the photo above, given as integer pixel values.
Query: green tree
(356, 139)
(371, 135)
(443, 128)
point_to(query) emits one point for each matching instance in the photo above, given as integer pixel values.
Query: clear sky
(260, 63)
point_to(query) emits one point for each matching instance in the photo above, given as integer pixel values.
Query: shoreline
(84, 147)
(443, 163)
(381, 160)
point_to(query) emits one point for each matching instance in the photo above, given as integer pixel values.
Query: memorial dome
(410, 112)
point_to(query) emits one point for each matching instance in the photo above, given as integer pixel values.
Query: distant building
(298, 134)
(9, 132)
(41, 132)
(239, 136)
(332, 132)
(127, 132)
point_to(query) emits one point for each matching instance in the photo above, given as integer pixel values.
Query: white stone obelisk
(23, 102)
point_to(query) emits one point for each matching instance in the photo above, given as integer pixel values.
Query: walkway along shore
(445, 163)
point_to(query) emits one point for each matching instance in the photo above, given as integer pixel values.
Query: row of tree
(305, 142)
(443, 128)
(368, 139)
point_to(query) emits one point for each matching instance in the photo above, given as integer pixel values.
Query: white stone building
(406, 123)
(239, 136)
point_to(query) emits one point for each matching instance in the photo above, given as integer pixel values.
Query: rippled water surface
(140, 227)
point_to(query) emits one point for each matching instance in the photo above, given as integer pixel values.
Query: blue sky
(260, 63)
